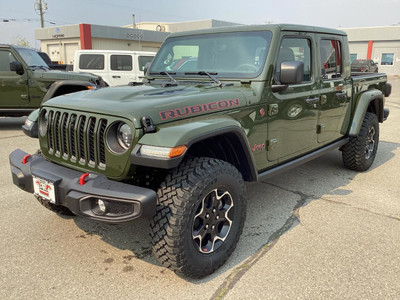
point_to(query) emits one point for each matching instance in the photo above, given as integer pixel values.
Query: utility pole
(41, 7)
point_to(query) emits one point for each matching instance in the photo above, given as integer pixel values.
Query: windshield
(235, 54)
(32, 58)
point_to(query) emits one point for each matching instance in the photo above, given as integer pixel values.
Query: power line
(52, 22)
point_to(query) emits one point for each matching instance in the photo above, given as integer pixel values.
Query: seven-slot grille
(77, 138)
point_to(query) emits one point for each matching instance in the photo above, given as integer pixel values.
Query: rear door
(14, 90)
(292, 114)
(121, 69)
(335, 87)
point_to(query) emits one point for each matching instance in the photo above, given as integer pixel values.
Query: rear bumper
(125, 202)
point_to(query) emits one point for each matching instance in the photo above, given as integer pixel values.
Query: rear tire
(200, 215)
(359, 153)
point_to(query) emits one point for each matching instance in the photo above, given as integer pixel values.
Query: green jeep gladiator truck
(26, 80)
(219, 108)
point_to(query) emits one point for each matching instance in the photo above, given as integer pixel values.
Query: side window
(295, 49)
(6, 58)
(143, 60)
(331, 59)
(353, 56)
(387, 59)
(121, 62)
(91, 62)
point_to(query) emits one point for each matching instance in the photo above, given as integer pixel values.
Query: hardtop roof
(271, 27)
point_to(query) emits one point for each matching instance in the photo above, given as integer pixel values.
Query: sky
(23, 19)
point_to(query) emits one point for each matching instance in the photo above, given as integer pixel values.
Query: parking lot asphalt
(318, 231)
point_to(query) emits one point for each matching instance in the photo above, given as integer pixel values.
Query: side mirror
(146, 67)
(292, 72)
(16, 67)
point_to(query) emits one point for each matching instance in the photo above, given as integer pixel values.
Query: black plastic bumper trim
(385, 113)
(71, 194)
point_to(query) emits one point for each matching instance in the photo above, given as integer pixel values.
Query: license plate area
(44, 189)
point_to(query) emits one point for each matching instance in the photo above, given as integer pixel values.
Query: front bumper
(125, 202)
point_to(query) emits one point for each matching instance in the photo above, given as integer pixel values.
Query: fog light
(101, 208)
(102, 205)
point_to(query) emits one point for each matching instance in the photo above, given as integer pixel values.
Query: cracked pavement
(318, 231)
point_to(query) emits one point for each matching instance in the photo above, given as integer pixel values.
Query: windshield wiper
(211, 75)
(39, 67)
(173, 83)
(169, 75)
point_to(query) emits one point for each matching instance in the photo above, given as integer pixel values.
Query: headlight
(124, 135)
(43, 122)
(119, 137)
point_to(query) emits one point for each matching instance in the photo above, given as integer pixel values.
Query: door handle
(312, 101)
(342, 96)
(116, 77)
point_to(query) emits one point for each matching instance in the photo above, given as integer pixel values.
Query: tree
(21, 41)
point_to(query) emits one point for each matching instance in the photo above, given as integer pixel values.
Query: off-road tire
(182, 197)
(58, 209)
(359, 153)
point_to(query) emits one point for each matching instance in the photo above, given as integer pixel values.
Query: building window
(331, 59)
(121, 62)
(91, 62)
(353, 56)
(387, 59)
(143, 60)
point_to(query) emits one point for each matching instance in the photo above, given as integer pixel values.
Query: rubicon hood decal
(198, 109)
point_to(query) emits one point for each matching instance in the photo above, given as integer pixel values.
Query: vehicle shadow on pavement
(12, 123)
(272, 206)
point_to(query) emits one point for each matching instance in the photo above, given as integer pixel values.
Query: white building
(381, 44)
(61, 42)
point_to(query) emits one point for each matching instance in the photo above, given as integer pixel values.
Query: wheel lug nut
(207, 216)
(217, 217)
(213, 227)
(207, 226)
(214, 210)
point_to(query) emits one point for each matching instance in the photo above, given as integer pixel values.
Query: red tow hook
(82, 180)
(25, 158)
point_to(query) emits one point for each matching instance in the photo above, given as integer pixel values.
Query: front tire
(359, 153)
(200, 215)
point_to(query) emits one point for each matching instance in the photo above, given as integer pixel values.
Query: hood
(163, 105)
(54, 75)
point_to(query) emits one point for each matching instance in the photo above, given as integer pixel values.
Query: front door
(13, 87)
(292, 113)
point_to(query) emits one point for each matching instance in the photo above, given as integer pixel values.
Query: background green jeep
(25, 79)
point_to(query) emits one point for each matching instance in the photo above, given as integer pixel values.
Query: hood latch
(148, 125)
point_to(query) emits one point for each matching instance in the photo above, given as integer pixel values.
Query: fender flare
(189, 134)
(30, 128)
(364, 101)
(56, 86)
